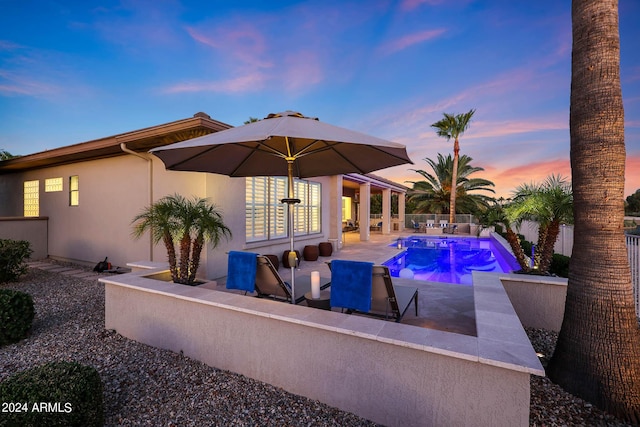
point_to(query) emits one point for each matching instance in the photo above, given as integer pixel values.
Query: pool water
(449, 260)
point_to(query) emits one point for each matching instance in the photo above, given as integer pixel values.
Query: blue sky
(76, 71)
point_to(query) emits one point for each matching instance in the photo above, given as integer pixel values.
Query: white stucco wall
(111, 192)
(114, 190)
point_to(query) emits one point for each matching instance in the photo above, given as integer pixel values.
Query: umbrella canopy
(284, 144)
(316, 149)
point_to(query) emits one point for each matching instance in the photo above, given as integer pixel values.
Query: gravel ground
(148, 386)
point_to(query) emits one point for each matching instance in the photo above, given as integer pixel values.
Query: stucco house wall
(114, 190)
(111, 192)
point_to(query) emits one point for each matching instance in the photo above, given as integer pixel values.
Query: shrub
(53, 394)
(13, 254)
(560, 265)
(16, 315)
(526, 246)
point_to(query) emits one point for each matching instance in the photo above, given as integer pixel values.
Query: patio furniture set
(430, 227)
(355, 287)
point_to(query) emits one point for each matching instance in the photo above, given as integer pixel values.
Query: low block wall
(393, 374)
(34, 230)
(538, 301)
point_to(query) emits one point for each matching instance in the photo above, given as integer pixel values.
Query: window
(266, 216)
(74, 191)
(346, 208)
(31, 198)
(52, 184)
(307, 212)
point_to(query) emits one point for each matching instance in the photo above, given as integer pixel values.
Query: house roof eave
(141, 140)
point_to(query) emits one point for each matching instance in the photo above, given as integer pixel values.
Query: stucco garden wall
(33, 230)
(538, 301)
(390, 373)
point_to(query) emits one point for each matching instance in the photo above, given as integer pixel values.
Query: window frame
(53, 185)
(74, 191)
(266, 216)
(29, 202)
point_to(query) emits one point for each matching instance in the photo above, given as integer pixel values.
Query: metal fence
(633, 251)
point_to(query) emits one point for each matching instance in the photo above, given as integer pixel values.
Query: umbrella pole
(290, 201)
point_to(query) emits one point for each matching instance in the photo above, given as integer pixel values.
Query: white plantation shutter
(278, 214)
(266, 216)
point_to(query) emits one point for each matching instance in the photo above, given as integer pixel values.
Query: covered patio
(356, 205)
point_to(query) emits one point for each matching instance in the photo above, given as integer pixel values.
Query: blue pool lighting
(449, 260)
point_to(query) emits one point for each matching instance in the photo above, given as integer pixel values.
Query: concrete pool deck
(441, 306)
(393, 374)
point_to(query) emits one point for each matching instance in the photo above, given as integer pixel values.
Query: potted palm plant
(189, 223)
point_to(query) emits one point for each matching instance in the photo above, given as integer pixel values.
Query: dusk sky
(72, 72)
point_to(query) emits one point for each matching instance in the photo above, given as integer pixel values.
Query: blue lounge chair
(387, 301)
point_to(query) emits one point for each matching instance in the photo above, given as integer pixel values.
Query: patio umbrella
(284, 144)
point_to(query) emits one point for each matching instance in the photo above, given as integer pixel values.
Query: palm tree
(550, 204)
(597, 355)
(5, 155)
(190, 222)
(496, 215)
(433, 195)
(452, 126)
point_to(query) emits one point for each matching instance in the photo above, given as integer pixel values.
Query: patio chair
(430, 223)
(388, 301)
(452, 229)
(269, 284)
(416, 226)
(444, 223)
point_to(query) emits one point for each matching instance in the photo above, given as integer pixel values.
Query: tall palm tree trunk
(597, 356)
(454, 182)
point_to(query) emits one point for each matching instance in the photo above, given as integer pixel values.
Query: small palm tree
(190, 222)
(433, 195)
(550, 204)
(452, 126)
(496, 215)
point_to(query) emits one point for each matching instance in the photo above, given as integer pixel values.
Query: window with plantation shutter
(266, 216)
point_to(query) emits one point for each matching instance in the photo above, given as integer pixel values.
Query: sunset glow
(72, 72)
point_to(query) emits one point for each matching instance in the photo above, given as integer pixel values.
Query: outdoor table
(324, 302)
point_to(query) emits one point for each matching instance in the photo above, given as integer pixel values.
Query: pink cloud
(137, 25)
(244, 45)
(7, 45)
(408, 5)
(302, 70)
(632, 175)
(16, 84)
(493, 129)
(410, 40)
(245, 83)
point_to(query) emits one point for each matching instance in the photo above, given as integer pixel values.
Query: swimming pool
(449, 260)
